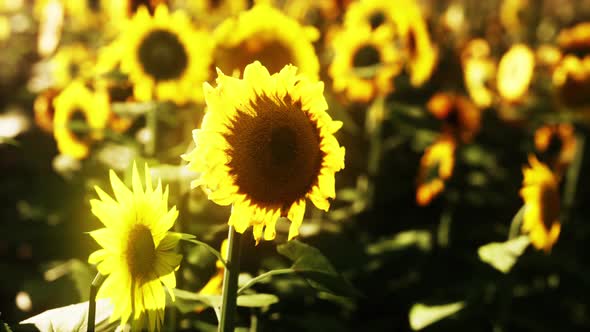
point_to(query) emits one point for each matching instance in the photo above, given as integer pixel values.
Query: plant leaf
(256, 300)
(422, 315)
(503, 255)
(73, 318)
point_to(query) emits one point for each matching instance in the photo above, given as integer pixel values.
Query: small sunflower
(557, 144)
(479, 70)
(365, 63)
(436, 166)
(572, 80)
(515, 72)
(575, 40)
(265, 145)
(265, 34)
(77, 103)
(138, 250)
(165, 56)
(44, 110)
(71, 62)
(540, 192)
(461, 118)
(85, 14)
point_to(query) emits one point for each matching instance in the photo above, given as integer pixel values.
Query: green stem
(211, 249)
(263, 276)
(96, 283)
(516, 223)
(230, 282)
(152, 125)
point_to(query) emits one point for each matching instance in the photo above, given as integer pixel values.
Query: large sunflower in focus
(77, 103)
(540, 192)
(266, 35)
(165, 56)
(365, 63)
(265, 145)
(138, 251)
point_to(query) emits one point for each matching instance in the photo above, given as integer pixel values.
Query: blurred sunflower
(372, 13)
(162, 56)
(76, 105)
(71, 62)
(461, 118)
(365, 63)
(572, 80)
(267, 35)
(436, 166)
(556, 144)
(138, 250)
(44, 110)
(515, 72)
(84, 14)
(575, 40)
(479, 70)
(265, 145)
(540, 192)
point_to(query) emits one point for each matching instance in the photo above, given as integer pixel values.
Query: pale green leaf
(256, 300)
(422, 315)
(73, 318)
(503, 255)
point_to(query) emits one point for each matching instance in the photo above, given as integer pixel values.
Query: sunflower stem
(230, 281)
(152, 125)
(96, 283)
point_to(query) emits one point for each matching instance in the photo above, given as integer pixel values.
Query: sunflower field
(294, 165)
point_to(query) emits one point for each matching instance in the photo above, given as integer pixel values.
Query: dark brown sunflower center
(214, 4)
(376, 19)
(550, 206)
(120, 92)
(366, 56)
(78, 125)
(93, 5)
(275, 155)
(273, 54)
(141, 252)
(162, 55)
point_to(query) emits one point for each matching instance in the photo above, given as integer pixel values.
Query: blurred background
(443, 105)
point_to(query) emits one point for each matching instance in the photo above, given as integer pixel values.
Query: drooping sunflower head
(436, 166)
(365, 63)
(515, 72)
(556, 145)
(44, 110)
(165, 56)
(79, 119)
(71, 62)
(461, 119)
(265, 34)
(138, 250)
(575, 40)
(266, 144)
(479, 71)
(540, 192)
(572, 80)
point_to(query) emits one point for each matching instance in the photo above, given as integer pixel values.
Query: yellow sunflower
(266, 144)
(576, 39)
(138, 250)
(515, 72)
(365, 63)
(557, 144)
(540, 192)
(461, 118)
(511, 14)
(265, 34)
(165, 56)
(77, 103)
(436, 166)
(44, 110)
(84, 14)
(479, 70)
(74, 61)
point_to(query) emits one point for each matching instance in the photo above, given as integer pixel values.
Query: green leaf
(256, 300)
(74, 318)
(422, 315)
(403, 240)
(311, 264)
(4, 327)
(503, 255)
(188, 301)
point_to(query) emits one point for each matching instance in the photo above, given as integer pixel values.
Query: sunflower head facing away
(556, 145)
(267, 35)
(540, 192)
(365, 63)
(138, 251)
(79, 119)
(165, 56)
(266, 144)
(460, 118)
(436, 166)
(515, 72)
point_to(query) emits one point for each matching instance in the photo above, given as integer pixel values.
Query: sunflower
(436, 166)
(372, 13)
(69, 63)
(478, 72)
(511, 14)
(265, 145)
(461, 118)
(77, 103)
(164, 56)
(515, 72)
(267, 35)
(557, 144)
(138, 251)
(44, 110)
(540, 192)
(576, 39)
(572, 80)
(85, 14)
(365, 63)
